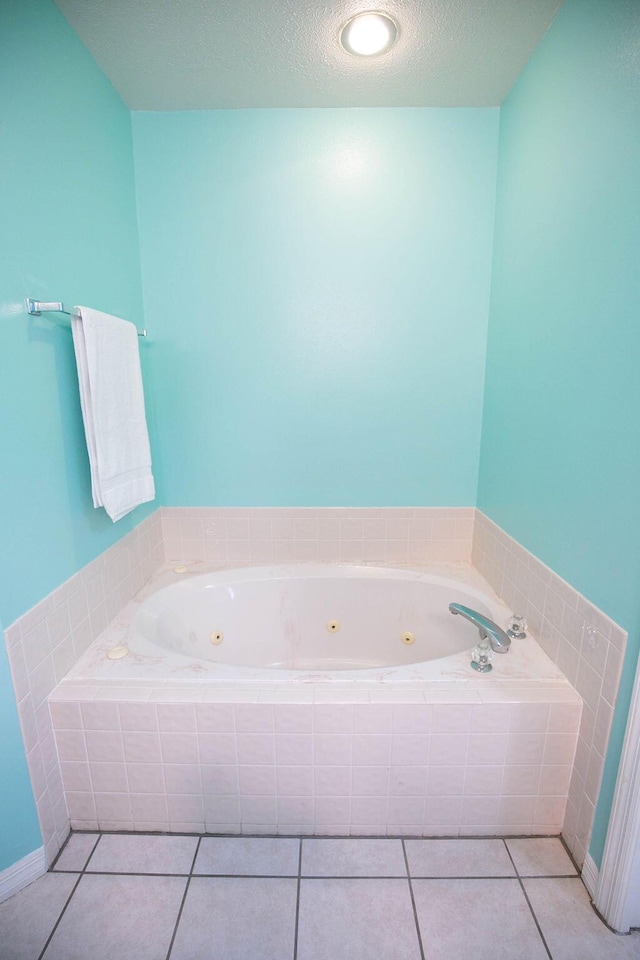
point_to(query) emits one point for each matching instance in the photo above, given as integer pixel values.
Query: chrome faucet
(489, 630)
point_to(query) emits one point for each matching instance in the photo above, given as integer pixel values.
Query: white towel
(112, 404)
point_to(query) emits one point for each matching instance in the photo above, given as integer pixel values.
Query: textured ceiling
(206, 54)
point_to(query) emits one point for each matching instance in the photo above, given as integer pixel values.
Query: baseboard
(22, 873)
(590, 875)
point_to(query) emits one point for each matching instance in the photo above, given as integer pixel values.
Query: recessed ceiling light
(368, 33)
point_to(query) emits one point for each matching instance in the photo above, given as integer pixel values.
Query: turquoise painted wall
(317, 284)
(68, 232)
(562, 395)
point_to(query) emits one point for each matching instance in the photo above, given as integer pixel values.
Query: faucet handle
(481, 656)
(517, 627)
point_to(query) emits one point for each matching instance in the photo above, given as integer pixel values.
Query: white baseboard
(22, 873)
(590, 875)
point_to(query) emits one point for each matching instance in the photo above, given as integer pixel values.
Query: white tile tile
(256, 748)
(448, 749)
(335, 718)
(370, 781)
(148, 910)
(76, 851)
(217, 748)
(219, 780)
(333, 810)
(258, 779)
(27, 918)
(142, 747)
(451, 718)
(179, 747)
(455, 922)
(330, 749)
(104, 745)
(442, 811)
(247, 857)
(248, 917)
(143, 854)
(186, 813)
(176, 718)
(410, 749)
(540, 857)
(458, 858)
(571, 927)
(180, 778)
(332, 781)
(363, 917)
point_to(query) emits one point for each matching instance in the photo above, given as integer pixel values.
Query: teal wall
(68, 232)
(317, 284)
(562, 398)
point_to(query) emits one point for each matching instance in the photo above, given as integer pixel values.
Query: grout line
(295, 929)
(322, 876)
(62, 913)
(93, 850)
(413, 902)
(184, 897)
(526, 896)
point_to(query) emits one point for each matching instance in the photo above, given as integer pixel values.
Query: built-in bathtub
(326, 699)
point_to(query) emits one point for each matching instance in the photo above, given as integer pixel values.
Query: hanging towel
(112, 404)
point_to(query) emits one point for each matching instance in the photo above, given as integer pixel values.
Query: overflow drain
(333, 626)
(216, 637)
(408, 638)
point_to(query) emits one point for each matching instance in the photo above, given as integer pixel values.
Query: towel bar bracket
(36, 307)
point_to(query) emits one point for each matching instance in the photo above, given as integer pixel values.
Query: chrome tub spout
(489, 630)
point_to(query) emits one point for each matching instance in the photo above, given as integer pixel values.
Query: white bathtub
(286, 727)
(312, 623)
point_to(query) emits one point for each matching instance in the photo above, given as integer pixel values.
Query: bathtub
(287, 700)
(309, 623)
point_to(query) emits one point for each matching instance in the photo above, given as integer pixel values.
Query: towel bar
(37, 307)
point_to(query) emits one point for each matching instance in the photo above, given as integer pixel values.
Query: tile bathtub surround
(46, 641)
(310, 899)
(348, 768)
(586, 645)
(325, 534)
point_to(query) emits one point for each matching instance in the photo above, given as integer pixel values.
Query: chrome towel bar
(37, 307)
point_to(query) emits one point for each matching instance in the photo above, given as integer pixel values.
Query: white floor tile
(131, 918)
(482, 919)
(458, 858)
(118, 853)
(356, 919)
(571, 927)
(353, 858)
(541, 857)
(248, 856)
(77, 851)
(27, 918)
(237, 918)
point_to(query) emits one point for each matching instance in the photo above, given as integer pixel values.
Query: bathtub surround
(45, 642)
(68, 232)
(434, 760)
(588, 647)
(325, 534)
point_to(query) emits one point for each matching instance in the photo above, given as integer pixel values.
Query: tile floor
(151, 897)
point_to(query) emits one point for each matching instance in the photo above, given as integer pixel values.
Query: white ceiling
(207, 54)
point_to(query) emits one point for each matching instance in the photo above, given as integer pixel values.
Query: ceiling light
(368, 33)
